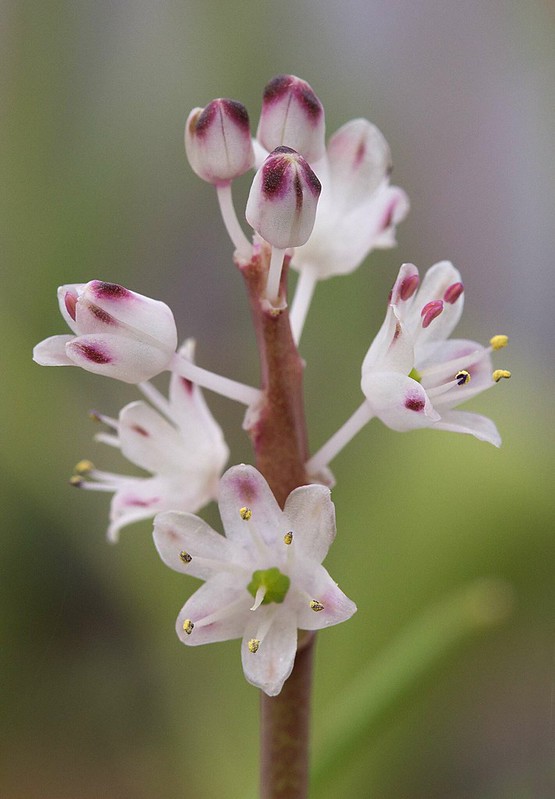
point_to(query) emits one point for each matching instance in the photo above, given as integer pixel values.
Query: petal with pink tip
(127, 359)
(243, 487)
(392, 349)
(337, 607)
(223, 605)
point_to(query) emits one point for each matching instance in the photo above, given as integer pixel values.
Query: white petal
(476, 425)
(127, 359)
(319, 586)
(392, 349)
(400, 402)
(244, 487)
(359, 159)
(52, 351)
(74, 290)
(149, 441)
(271, 665)
(312, 516)
(434, 285)
(175, 533)
(219, 597)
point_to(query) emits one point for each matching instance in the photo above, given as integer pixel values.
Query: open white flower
(117, 332)
(180, 444)
(264, 580)
(413, 375)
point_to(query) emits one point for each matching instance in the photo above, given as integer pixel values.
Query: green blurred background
(99, 699)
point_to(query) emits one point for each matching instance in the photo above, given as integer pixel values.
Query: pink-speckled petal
(177, 533)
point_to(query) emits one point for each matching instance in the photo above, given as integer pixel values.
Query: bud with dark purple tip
(117, 332)
(292, 115)
(218, 141)
(283, 199)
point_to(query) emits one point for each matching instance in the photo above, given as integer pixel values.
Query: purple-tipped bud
(218, 141)
(283, 199)
(293, 116)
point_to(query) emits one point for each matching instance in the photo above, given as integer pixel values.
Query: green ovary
(275, 583)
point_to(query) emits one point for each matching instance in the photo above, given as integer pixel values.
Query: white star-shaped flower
(264, 579)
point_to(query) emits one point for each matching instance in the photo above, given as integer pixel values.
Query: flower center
(268, 585)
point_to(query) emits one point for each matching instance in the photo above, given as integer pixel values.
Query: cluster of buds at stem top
(282, 207)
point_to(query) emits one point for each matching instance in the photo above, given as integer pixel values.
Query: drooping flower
(413, 375)
(264, 579)
(117, 333)
(179, 443)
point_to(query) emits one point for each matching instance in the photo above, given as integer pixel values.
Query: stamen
(76, 481)
(188, 626)
(430, 311)
(84, 467)
(96, 416)
(253, 645)
(462, 377)
(316, 606)
(499, 374)
(185, 557)
(288, 538)
(453, 293)
(498, 342)
(245, 514)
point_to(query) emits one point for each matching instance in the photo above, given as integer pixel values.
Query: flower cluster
(323, 208)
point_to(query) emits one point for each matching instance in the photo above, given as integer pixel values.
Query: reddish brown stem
(278, 433)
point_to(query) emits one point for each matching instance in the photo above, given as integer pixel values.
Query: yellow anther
(188, 626)
(288, 537)
(498, 342)
(245, 514)
(253, 645)
(316, 606)
(499, 374)
(185, 557)
(76, 481)
(84, 467)
(462, 377)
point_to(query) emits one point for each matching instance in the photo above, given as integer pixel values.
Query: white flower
(413, 375)
(264, 580)
(180, 444)
(118, 333)
(358, 210)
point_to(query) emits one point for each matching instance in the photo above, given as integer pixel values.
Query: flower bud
(118, 333)
(283, 199)
(218, 141)
(293, 116)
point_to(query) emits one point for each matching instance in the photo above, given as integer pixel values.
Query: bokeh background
(99, 699)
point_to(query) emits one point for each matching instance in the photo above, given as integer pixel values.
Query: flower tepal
(117, 332)
(178, 441)
(264, 579)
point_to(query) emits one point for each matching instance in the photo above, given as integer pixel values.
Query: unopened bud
(293, 116)
(218, 141)
(283, 199)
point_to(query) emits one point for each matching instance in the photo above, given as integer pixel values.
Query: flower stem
(301, 301)
(340, 439)
(278, 432)
(210, 380)
(234, 229)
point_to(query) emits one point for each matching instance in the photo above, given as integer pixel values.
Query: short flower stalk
(321, 210)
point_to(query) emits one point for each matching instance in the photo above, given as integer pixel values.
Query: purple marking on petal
(103, 316)
(389, 216)
(237, 112)
(188, 385)
(397, 333)
(142, 503)
(311, 181)
(430, 311)
(273, 172)
(282, 85)
(408, 287)
(360, 153)
(246, 487)
(93, 352)
(276, 88)
(413, 402)
(140, 430)
(200, 124)
(453, 293)
(70, 301)
(110, 291)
